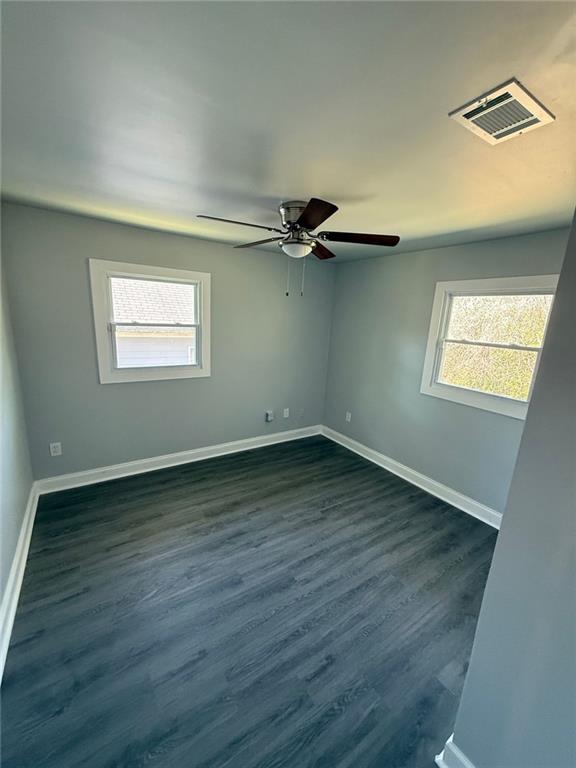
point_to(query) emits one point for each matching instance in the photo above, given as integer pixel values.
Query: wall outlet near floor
(269, 416)
(55, 449)
(348, 416)
(286, 413)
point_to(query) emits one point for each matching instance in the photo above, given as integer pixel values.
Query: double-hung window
(485, 341)
(150, 322)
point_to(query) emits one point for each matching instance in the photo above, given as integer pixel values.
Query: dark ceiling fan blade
(242, 223)
(359, 237)
(259, 242)
(316, 213)
(321, 252)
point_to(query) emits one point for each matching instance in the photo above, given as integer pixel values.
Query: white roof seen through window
(152, 301)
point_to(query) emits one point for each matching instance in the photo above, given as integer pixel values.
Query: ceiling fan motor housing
(290, 212)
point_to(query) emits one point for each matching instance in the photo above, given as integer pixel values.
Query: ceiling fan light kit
(298, 219)
(295, 248)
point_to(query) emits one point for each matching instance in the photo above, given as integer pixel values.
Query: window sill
(118, 376)
(502, 405)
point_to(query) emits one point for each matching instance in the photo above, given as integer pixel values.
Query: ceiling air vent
(502, 113)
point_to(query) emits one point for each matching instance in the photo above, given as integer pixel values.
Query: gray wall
(380, 325)
(268, 351)
(15, 471)
(518, 708)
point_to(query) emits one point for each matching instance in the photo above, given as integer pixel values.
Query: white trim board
(127, 468)
(452, 756)
(444, 492)
(444, 294)
(101, 273)
(16, 575)
(91, 476)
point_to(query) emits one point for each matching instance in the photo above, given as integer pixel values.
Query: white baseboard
(91, 476)
(100, 474)
(16, 575)
(455, 498)
(452, 756)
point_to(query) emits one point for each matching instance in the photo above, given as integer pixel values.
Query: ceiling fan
(298, 219)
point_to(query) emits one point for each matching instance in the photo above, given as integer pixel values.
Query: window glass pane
(505, 372)
(519, 319)
(153, 347)
(152, 301)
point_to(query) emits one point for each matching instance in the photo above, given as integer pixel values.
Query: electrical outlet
(269, 416)
(348, 416)
(286, 413)
(55, 449)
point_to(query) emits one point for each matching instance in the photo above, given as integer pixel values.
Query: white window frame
(437, 335)
(100, 273)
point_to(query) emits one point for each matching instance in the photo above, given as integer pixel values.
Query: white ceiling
(150, 113)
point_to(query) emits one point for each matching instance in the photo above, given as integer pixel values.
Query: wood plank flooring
(288, 607)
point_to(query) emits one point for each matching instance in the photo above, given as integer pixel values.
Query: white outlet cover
(286, 413)
(55, 449)
(348, 416)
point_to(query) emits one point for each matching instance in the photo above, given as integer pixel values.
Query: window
(150, 322)
(485, 341)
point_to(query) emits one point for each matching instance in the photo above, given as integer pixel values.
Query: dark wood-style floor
(288, 607)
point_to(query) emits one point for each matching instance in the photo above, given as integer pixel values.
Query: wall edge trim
(443, 492)
(452, 756)
(139, 466)
(129, 468)
(16, 575)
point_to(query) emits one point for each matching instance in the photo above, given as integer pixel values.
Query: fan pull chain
(303, 274)
(288, 277)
